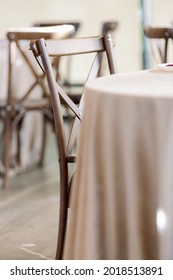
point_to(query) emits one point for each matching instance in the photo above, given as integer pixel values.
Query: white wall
(91, 13)
(162, 12)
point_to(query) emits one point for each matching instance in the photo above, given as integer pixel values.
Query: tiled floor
(29, 212)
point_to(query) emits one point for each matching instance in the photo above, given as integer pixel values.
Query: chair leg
(63, 212)
(6, 148)
(44, 141)
(18, 156)
(61, 233)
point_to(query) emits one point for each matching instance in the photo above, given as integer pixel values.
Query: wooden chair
(45, 50)
(16, 106)
(159, 38)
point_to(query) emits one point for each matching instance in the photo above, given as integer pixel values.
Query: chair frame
(45, 50)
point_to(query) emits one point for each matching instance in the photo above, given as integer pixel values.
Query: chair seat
(28, 105)
(36, 104)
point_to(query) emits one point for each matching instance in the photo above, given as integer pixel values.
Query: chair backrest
(18, 45)
(99, 45)
(158, 39)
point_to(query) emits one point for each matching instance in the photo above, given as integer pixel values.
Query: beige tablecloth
(122, 198)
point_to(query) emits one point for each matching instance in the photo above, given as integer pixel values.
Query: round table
(122, 196)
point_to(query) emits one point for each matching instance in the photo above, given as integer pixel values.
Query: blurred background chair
(99, 46)
(158, 42)
(31, 96)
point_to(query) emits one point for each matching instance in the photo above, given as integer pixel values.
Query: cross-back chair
(44, 50)
(30, 99)
(159, 38)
